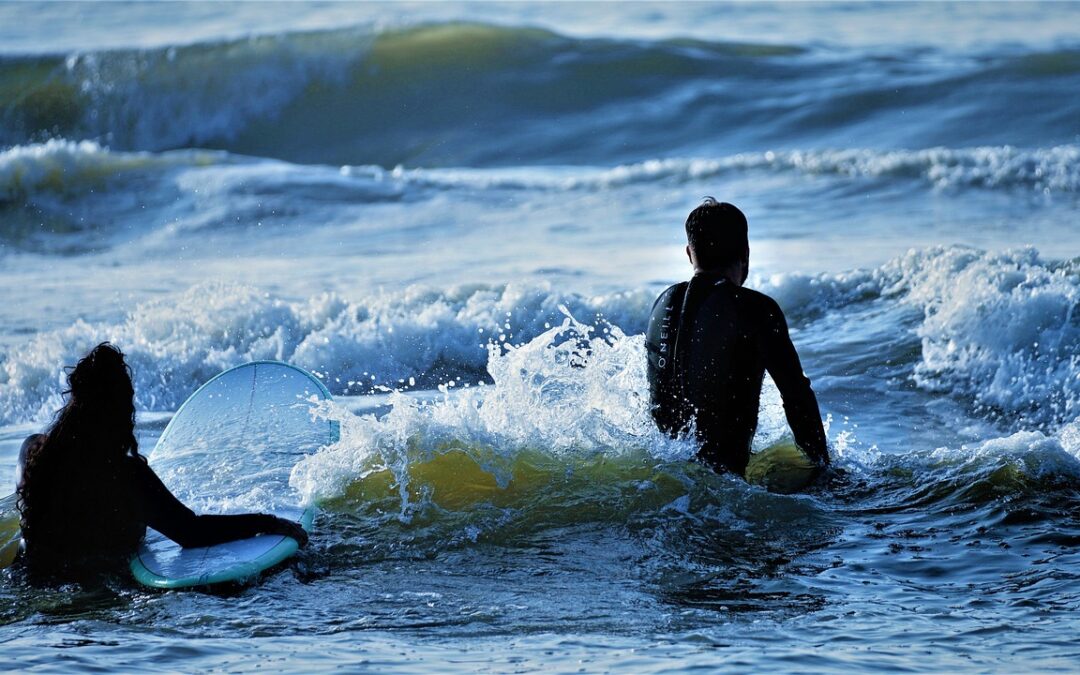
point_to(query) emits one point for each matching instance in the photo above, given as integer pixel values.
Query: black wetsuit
(709, 344)
(152, 505)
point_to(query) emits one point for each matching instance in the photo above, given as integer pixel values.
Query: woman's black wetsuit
(709, 344)
(151, 505)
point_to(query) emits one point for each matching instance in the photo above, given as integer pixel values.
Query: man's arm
(800, 404)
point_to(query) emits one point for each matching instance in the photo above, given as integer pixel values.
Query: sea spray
(1001, 329)
(997, 329)
(176, 343)
(567, 393)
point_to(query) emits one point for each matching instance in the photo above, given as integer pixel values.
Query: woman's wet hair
(717, 232)
(76, 496)
(102, 379)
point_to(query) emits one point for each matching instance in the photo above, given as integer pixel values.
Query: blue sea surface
(458, 215)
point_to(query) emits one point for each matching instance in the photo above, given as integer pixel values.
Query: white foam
(999, 328)
(571, 391)
(1069, 435)
(66, 167)
(172, 346)
(1031, 454)
(179, 341)
(1054, 169)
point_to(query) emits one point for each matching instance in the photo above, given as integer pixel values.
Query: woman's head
(98, 421)
(101, 381)
(100, 402)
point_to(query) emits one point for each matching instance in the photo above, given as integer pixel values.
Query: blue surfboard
(238, 436)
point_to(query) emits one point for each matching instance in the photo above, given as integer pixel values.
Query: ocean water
(458, 215)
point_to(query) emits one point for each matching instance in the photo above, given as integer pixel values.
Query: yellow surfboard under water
(9, 530)
(781, 467)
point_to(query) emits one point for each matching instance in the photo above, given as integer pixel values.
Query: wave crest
(65, 167)
(421, 95)
(1055, 169)
(418, 337)
(1000, 328)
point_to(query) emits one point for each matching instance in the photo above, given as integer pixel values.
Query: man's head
(717, 240)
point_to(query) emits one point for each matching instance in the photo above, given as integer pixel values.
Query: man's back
(709, 344)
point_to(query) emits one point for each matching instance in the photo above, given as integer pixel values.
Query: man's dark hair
(717, 233)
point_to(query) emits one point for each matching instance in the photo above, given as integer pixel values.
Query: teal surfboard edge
(243, 572)
(240, 573)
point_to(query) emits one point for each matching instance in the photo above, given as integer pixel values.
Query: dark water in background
(389, 196)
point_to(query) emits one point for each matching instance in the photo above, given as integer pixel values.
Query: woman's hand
(288, 528)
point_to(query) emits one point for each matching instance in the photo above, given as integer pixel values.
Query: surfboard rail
(143, 566)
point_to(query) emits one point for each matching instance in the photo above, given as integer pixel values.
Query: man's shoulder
(760, 301)
(668, 293)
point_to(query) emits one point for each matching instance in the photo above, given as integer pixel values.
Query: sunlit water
(458, 217)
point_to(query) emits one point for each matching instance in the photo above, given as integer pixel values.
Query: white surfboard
(242, 430)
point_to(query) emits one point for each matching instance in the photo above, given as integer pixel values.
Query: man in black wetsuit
(710, 342)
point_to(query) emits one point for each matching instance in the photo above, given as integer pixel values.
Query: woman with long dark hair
(86, 495)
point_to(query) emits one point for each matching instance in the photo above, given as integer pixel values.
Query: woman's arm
(166, 514)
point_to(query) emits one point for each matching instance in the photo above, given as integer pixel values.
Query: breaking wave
(997, 329)
(420, 96)
(71, 168)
